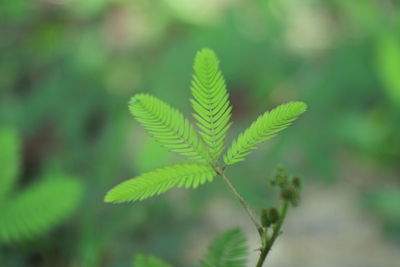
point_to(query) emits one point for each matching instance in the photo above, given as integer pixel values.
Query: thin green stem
(275, 233)
(246, 206)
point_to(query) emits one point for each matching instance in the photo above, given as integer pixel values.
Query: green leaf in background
(142, 260)
(210, 101)
(265, 127)
(15, 11)
(39, 208)
(9, 161)
(228, 250)
(388, 64)
(156, 182)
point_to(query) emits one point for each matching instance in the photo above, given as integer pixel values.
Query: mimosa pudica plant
(204, 146)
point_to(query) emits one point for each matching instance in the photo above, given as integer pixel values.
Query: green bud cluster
(289, 187)
(291, 195)
(269, 217)
(289, 192)
(280, 177)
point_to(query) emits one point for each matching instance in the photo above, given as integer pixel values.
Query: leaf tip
(206, 50)
(205, 54)
(299, 106)
(109, 198)
(303, 106)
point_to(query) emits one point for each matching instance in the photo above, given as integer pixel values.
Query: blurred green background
(69, 67)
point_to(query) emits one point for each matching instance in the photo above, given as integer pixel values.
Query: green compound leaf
(210, 101)
(142, 260)
(188, 175)
(168, 126)
(265, 127)
(38, 208)
(228, 250)
(9, 161)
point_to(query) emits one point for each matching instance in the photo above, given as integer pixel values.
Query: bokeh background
(69, 67)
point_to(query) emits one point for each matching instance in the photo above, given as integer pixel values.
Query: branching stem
(275, 233)
(276, 229)
(246, 206)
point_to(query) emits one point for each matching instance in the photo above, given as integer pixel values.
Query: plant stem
(275, 233)
(246, 206)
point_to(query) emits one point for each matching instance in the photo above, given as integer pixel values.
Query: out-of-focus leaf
(228, 250)
(39, 208)
(9, 161)
(388, 64)
(17, 10)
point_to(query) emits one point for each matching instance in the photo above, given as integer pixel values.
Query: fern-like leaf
(210, 101)
(9, 161)
(142, 260)
(265, 127)
(160, 180)
(228, 250)
(38, 208)
(168, 126)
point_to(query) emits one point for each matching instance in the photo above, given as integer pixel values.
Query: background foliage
(68, 69)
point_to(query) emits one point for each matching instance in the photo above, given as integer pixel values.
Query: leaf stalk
(245, 205)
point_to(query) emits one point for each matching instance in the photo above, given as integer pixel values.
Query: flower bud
(273, 215)
(288, 194)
